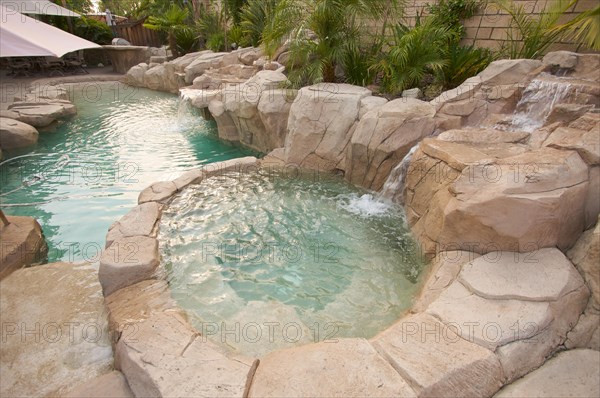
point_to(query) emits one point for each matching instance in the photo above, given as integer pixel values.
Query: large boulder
(201, 64)
(23, 244)
(438, 361)
(320, 125)
(135, 75)
(15, 134)
(496, 89)
(155, 78)
(42, 113)
(383, 137)
(486, 197)
(257, 108)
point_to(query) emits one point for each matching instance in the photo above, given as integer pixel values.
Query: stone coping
(479, 323)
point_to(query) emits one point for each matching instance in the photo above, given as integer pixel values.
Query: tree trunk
(69, 22)
(173, 45)
(329, 73)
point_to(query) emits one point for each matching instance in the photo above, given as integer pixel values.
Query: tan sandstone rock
(158, 192)
(436, 361)
(586, 257)
(164, 356)
(383, 137)
(16, 134)
(109, 385)
(128, 261)
(42, 113)
(345, 368)
(55, 333)
(524, 202)
(571, 373)
(22, 244)
(319, 124)
(139, 221)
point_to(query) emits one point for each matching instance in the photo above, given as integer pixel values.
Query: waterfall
(539, 98)
(187, 115)
(393, 189)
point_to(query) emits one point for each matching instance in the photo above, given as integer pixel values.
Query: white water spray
(539, 98)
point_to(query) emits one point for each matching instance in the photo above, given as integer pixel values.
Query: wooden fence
(137, 34)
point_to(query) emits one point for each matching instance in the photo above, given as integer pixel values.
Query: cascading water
(538, 100)
(187, 116)
(393, 189)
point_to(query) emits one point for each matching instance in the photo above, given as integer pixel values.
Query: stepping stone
(346, 368)
(572, 373)
(436, 361)
(542, 275)
(490, 323)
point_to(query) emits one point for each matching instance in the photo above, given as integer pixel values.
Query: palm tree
(584, 28)
(321, 32)
(173, 22)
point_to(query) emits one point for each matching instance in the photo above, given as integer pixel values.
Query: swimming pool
(84, 176)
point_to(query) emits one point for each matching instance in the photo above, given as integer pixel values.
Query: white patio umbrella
(21, 36)
(40, 7)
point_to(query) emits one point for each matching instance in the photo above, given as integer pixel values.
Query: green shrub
(321, 34)
(414, 53)
(211, 27)
(236, 35)
(462, 63)
(255, 16)
(216, 42)
(92, 30)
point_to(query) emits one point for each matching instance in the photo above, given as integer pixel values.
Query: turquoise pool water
(265, 261)
(85, 175)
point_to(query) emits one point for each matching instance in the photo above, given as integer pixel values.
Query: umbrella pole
(4, 219)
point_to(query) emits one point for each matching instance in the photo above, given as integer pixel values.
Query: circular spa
(267, 260)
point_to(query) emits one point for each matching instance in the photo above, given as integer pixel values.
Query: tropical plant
(584, 28)
(212, 26)
(173, 23)
(186, 41)
(414, 53)
(236, 36)
(254, 17)
(530, 36)
(233, 9)
(463, 62)
(320, 34)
